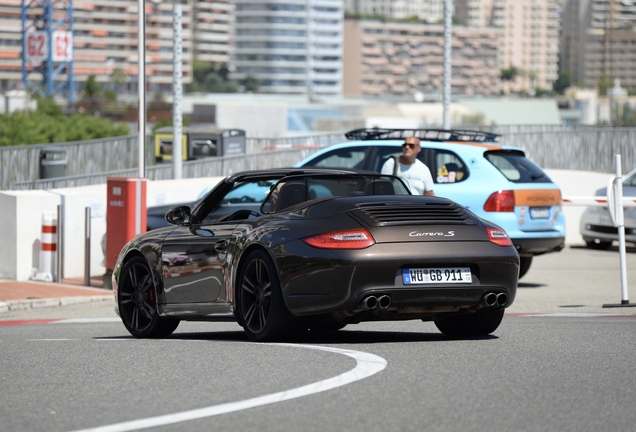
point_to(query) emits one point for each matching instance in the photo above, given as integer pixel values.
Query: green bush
(48, 124)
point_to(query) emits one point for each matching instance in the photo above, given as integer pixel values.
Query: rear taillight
(498, 237)
(501, 201)
(351, 239)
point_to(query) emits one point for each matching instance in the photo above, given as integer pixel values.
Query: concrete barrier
(21, 222)
(21, 218)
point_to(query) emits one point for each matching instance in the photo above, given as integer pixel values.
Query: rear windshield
(516, 167)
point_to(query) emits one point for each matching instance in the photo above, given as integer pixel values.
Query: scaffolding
(47, 48)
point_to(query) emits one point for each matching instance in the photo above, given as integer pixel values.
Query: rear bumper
(596, 224)
(337, 281)
(538, 246)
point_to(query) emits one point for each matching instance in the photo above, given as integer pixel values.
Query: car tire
(137, 302)
(524, 265)
(481, 323)
(260, 304)
(598, 244)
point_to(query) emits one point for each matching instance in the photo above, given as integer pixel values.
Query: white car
(596, 226)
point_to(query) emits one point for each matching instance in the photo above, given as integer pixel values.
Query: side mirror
(179, 215)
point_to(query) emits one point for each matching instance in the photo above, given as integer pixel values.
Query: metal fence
(261, 153)
(90, 162)
(22, 163)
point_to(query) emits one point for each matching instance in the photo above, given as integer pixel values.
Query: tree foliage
(92, 89)
(509, 74)
(251, 84)
(604, 83)
(210, 78)
(563, 82)
(48, 124)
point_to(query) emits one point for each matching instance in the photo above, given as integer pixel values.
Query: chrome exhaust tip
(370, 303)
(502, 299)
(490, 299)
(384, 301)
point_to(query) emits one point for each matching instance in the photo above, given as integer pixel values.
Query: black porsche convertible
(290, 250)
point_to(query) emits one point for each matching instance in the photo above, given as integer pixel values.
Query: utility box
(52, 162)
(126, 216)
(200, 142)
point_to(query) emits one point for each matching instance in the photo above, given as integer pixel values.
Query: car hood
(627, 191)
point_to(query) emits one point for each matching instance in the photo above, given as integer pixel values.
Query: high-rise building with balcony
(599, 39)
(401, 59)
(290, 46)
(427, 10)
(213, 30)
(528, 38)
(105, 39)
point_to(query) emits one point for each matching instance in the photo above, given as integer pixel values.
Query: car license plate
(539, 212)
(436, 275)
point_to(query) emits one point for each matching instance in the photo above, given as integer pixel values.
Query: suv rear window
(516, 167)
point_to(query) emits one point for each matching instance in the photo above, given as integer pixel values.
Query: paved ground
(575, 280)
(20, 299)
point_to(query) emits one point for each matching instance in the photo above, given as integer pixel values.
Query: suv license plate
(436, 275)
(539, 212)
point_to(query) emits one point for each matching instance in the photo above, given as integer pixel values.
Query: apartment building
(105, 34)
(213, 30)
(599, 38)
(290, 46)
(427, 10)
(401, 59)
(528, 37)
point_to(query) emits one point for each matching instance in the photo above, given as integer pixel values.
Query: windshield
(631, 179)
(295, 189)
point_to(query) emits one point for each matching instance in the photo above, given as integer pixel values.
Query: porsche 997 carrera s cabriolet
(289, 250)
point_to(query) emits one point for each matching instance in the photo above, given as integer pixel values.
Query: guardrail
(90, 162)
(209, 167)
(586, 148)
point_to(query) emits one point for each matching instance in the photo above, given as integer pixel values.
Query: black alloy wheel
(262, 310)
(137, 300)
(479, 323)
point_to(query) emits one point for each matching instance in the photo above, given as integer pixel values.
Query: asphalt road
(570, 370)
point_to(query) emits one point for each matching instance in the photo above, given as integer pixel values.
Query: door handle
(221, 245)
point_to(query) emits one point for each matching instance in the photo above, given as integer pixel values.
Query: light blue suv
(496, 182)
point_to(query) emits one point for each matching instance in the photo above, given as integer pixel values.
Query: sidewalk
(29, 295)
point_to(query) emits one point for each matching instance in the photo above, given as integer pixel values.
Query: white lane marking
(86, 320)
(49, 340)
(569, 315)
(367, 365)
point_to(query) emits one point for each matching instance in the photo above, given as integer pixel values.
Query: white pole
(141, 83)
(448, 33)
(620, 221)
(177, 90)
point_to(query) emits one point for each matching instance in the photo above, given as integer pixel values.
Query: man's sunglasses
(409, 145)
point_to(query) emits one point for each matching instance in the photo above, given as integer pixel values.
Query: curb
(17, 305)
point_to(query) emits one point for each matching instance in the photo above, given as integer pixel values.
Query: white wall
(21, 221)
(256, 119)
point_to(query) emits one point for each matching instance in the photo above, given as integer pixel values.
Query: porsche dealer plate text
(436, 275)
(539, 212)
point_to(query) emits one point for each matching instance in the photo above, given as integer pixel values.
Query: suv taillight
(501, 201)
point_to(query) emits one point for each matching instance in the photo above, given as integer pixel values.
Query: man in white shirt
(417, 175)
